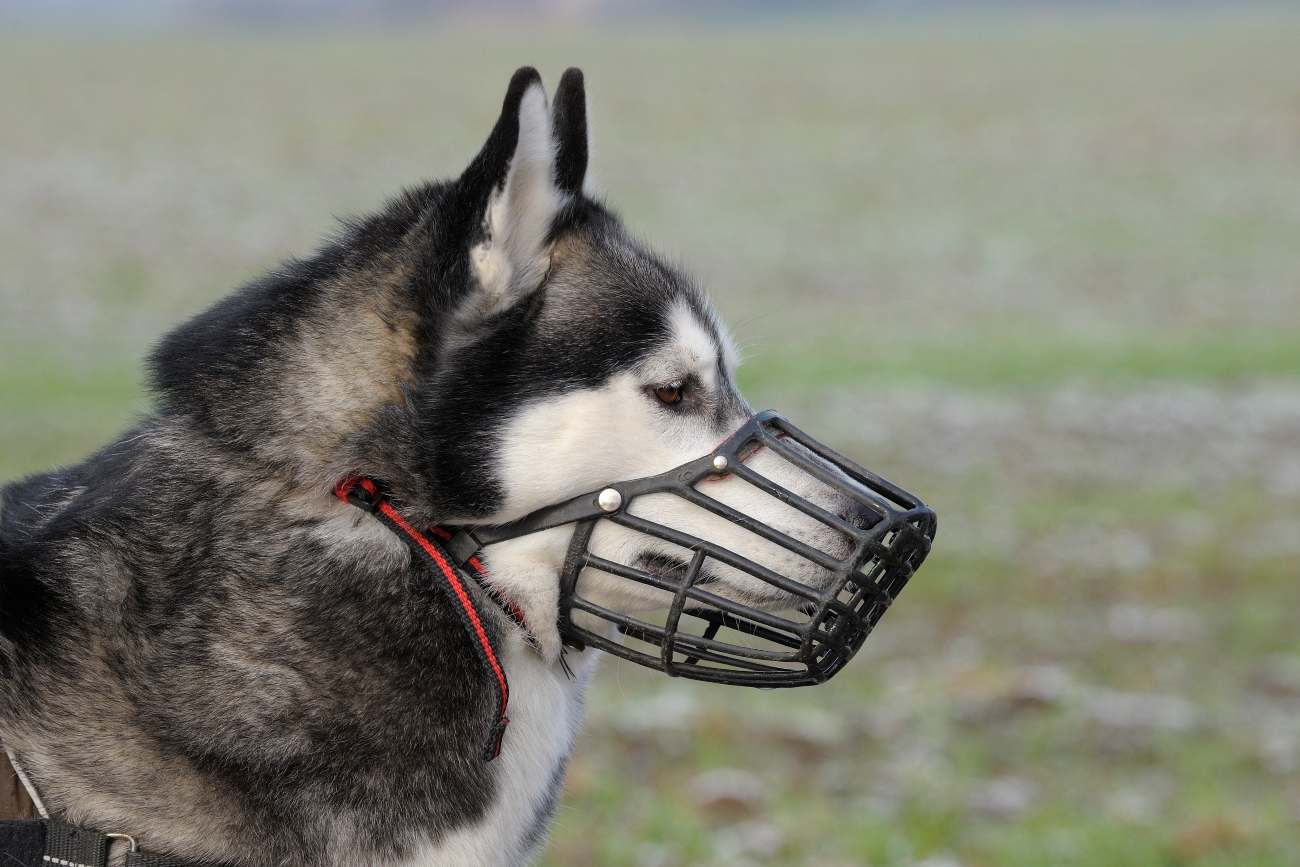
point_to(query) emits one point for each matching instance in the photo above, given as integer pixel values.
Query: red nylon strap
(451, 584)
(481, 574)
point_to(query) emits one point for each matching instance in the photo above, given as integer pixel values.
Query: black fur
(571, 131)
(189, 651)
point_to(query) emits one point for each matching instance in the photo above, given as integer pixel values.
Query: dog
(203, 648)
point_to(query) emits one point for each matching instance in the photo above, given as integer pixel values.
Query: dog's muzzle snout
(830, 600)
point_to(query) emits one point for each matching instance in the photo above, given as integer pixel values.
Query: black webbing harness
(51, 843)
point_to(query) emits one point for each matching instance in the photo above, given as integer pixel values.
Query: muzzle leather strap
(366, 494)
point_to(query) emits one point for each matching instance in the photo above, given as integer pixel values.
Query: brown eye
(669, 394)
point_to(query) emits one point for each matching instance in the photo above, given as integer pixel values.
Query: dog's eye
(669, 394)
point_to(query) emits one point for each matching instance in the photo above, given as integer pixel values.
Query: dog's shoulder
(30, 605)
(60, 534)
(27, 505)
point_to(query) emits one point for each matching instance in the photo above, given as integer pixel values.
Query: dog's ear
(511, 185)
(572, 141)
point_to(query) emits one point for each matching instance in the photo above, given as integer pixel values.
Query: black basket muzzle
(882, 535)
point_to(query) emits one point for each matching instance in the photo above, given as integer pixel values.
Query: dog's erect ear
(572, 144)
(512, 182)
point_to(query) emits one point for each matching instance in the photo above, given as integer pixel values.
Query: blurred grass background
(1042, 269)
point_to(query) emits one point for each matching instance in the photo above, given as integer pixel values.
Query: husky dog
(202, 647)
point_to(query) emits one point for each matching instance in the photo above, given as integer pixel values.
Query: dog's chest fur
(545, 711)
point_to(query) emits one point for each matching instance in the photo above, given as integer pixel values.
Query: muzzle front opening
(728, 618)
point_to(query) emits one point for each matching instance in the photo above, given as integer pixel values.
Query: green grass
(957, 728)
(57, 410)
(1025, 358)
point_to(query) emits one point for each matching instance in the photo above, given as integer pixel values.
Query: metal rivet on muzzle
(609, 500)
(720, 463)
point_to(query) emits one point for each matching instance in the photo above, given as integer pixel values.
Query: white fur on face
(512, 259)
(577, 442)
(566, 446)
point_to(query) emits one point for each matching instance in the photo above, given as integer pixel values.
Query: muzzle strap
(365, 494)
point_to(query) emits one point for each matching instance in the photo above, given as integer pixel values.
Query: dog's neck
(527, 570)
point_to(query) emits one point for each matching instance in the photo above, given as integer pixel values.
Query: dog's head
(577, 358)
(486, 347)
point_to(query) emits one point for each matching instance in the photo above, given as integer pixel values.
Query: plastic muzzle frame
(706, 636)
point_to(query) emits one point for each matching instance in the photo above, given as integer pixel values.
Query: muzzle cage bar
(759, 648)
